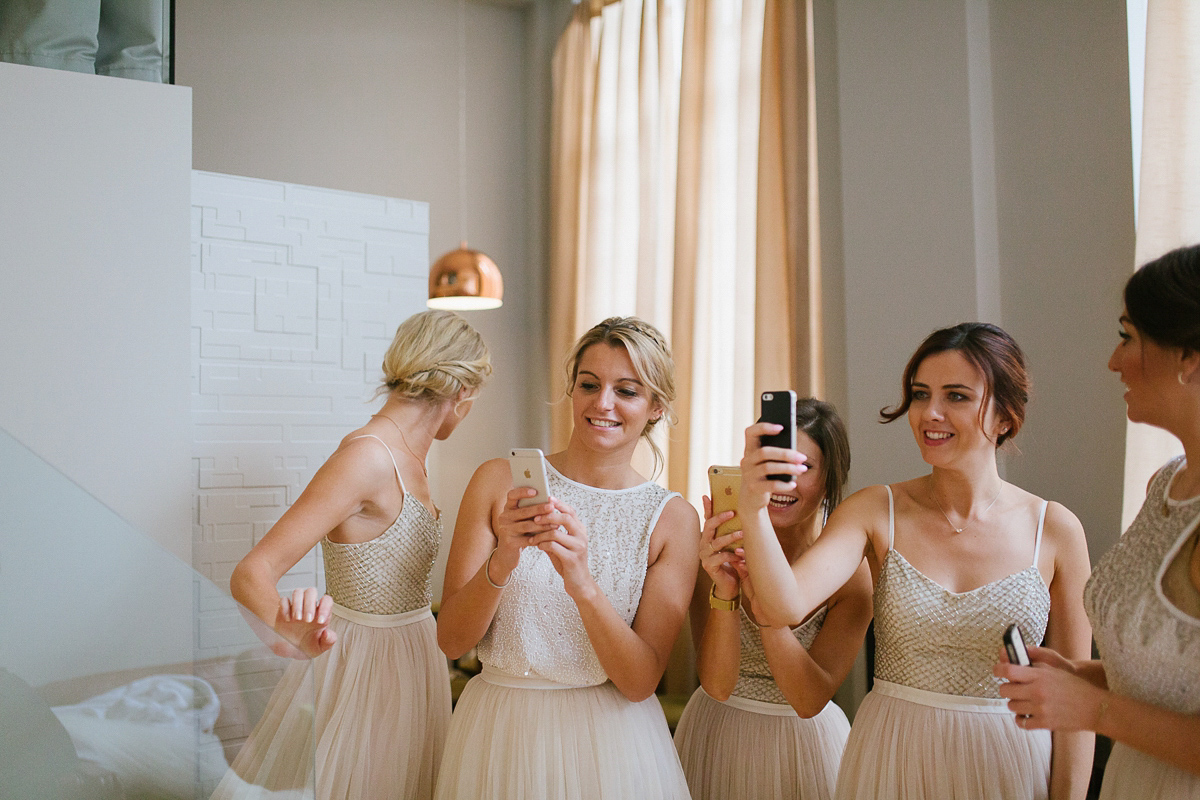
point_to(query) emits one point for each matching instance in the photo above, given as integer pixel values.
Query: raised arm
(715, 630)
(634, 658)
(788, 593)
(489, 534)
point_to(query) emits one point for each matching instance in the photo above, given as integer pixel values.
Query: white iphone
(1014, 645)
(528, 467)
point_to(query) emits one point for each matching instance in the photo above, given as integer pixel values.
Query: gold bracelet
(487, 571)
(722, 604)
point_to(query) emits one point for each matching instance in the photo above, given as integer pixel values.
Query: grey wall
(364, 97)
(981, 168)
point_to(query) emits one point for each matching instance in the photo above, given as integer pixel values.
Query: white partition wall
(296, 293)
(95, 185)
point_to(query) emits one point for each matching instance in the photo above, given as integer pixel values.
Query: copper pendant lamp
(464, 279)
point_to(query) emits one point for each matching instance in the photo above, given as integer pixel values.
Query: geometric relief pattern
(296, 292)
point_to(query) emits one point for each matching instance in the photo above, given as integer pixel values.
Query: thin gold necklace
(402, 439)
(967, 521)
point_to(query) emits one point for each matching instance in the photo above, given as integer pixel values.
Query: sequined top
(931, 638)
(389, 574)
(536, 630)
(1150, 649)
(755, 681)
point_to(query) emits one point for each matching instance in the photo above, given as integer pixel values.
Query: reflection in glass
(123, 672)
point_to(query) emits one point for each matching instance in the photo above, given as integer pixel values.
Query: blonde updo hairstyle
(651, 359)
(434, 356)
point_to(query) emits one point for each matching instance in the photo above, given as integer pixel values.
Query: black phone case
(780, 408)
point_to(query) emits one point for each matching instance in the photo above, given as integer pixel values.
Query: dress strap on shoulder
(1037, 540)
(395, 466)
(891, 517)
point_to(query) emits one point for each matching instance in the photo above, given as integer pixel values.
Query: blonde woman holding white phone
(574, 603)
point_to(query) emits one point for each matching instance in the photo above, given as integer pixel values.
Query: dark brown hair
(994, 353)
(821, 422)
(1162, 299)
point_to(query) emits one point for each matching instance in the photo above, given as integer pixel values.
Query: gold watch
(723, 605)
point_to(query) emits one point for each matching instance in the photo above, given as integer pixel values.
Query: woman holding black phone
(762, 725)
(955, 557)
(1144, 596)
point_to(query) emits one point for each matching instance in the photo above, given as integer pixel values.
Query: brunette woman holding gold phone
(762, 724)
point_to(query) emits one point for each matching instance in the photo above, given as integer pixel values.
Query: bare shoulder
(493, 477)
(864, 507)
(1063, 528)
(362, 459)
(679, 515)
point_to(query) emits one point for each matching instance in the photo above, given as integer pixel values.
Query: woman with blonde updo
(576, 602)
(382, 689)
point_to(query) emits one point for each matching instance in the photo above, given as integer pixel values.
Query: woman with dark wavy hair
(1144, 595)
(763, 724)
(956, 556)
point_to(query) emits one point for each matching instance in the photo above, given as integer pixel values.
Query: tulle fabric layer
(377, 728)
(730, 752)
(1133, 774)
(574, 744)
(910, 751)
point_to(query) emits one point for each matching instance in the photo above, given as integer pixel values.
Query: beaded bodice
(931, 638)
(755, 681)
(389, 574)
(1150, 649)
(536, 630)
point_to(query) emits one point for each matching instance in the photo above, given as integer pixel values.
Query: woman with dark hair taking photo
(956, 556)
(762, 725)
(1144, 596)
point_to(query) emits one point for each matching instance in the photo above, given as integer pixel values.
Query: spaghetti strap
(1037, 541)
(891, 517)
(395, 466)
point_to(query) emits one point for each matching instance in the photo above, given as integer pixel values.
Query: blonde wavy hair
(434, 356)
(651, 359)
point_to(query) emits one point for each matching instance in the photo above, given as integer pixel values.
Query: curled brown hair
(994, 353)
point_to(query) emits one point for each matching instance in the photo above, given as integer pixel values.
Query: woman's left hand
(1048, 694)
(567, 547)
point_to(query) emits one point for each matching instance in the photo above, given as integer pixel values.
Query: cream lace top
(931, 638)
(537, 630)
(1150, 648)
(389, 574)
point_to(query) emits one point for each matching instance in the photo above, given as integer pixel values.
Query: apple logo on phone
(728, 490)
(528, 474)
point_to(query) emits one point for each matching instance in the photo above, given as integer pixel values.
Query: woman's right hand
(304, 624)
(720, 564)
(514, 528)
(759, 462)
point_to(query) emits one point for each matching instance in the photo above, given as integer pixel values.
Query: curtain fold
(1169, 191)
(683, 191)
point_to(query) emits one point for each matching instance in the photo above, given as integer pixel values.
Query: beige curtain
(1169, 192)
(613, 159)
(683, 191)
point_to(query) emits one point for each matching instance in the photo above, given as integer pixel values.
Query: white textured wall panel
(296, 292)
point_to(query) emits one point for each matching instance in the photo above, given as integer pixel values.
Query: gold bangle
(487, 571)
(721, 604)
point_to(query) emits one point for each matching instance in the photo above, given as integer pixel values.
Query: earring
(1182, 382)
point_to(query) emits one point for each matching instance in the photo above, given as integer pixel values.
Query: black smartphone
(1014, 645)
(780, 408)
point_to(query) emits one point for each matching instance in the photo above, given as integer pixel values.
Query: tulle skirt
(1133, 774)
(748, 750)
(514, 737)
(378, 723)
(908, 743)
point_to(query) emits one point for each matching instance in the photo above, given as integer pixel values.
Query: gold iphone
(723, 486)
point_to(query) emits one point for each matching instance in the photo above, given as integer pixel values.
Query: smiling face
(800, 504)
(1148, 371)
(610, 403)
(945, 414)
